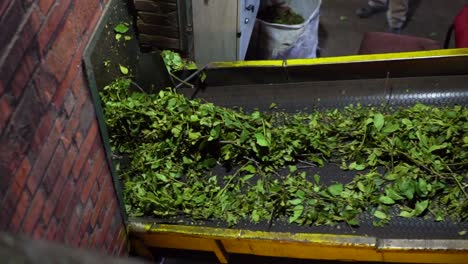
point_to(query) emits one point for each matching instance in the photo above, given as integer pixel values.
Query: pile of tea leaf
(280, 14)
(188, 158)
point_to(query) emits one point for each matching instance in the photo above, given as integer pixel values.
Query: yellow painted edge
(365, 248)
(343, 59)
(322, 239)
(226, 233)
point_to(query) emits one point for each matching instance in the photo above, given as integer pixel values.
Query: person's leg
(396, 14)
(372, 7)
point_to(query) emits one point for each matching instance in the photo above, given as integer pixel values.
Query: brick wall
(55, 182)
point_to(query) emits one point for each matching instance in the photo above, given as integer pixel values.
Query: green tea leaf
(194, 135)
(406, 214)
(297, 212)
(261, 140)
(380, 214)
(317, 178)
(292, 168)
(379, 121)
(420, 207)
(437, 147)
(123, 69)
(255, 216)
(386, 200)
(249, 168)
(355, 166)
(121, 28)
(118, 36)
(247, 177)
(361, 187)
(335, 189)
(295, 201)
(161, 177)
(393, 194)
(390, 128)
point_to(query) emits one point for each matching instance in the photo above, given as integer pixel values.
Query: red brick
(121, 241)
(69, 103)
(85, 105)
(102, 201)
(34, 212)
(22, 173)
(84, 241)
(45, 5)
(84, 149)
(17, 135)
(60, 232)
(42, 132)
(74, 120)
(88, 115)
(83, 13)
(97, 148)
(53, 171)
(52, 228)
(70, 77)
(93, 239)
(106, 223)
(97, 167)
(94, 191)
(42, 161)
(88, 211)
(105, 174)
(21, 44)
(4, 5)
(40, 230)
(80, 89)
(60, 121)
(2, 87)
(71, 234)
(10, 202)
(12, 18)
(24, 72)
(5, 112)
(66, 137)
(68, 162)
(54, 198)
(65, 198)
(20, 211)
(27, 3)
(46, 83)
(58, 59)
(55, 17)
(113, 232)
(78, 138)
(123, 252)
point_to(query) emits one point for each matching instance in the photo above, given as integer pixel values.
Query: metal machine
(432, 77)
(400, 79)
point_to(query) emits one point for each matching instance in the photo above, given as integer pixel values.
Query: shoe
(394, 31)
(367, 11)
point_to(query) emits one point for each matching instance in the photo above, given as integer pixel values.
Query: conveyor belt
(396, 92)
(294, 97)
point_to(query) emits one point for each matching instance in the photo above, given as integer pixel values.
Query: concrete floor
(342, 30)
(341, 33)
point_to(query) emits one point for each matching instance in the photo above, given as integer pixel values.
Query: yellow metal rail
(345, 59)
(222, 241)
